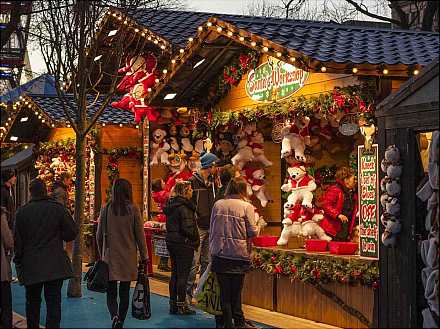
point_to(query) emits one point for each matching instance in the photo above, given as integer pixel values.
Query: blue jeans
(201, 260)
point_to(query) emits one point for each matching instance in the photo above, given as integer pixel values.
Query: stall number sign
(274, 80)
(160, 246)
(368, 170)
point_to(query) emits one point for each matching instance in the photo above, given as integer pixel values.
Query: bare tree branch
(362, 9)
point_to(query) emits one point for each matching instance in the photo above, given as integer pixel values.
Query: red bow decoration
(244, 61)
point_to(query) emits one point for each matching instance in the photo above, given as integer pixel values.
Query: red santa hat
(298, 165)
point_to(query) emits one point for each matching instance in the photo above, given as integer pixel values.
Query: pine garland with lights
(351, 99)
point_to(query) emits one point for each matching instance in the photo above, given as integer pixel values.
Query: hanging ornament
(348, 125)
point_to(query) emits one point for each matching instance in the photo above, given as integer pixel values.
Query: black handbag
(140, 304)
(98, 275)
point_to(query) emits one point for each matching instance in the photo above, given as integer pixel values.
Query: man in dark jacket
(203, 185)
(60, 192)
(7, 197)
(41, 262)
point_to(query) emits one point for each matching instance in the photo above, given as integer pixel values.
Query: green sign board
(274, 80)
(368, 195)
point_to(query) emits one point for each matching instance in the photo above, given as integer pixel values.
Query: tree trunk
(74, 287)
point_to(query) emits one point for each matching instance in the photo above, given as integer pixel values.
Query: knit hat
(7, 174)
(208, 159)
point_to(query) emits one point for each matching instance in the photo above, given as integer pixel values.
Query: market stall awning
(19, 160)
(42, 85)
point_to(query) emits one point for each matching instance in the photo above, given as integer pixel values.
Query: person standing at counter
(339, 203)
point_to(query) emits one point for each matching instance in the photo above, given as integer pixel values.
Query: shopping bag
(202, 281)
(140, 304)
(97, 277)
(208, 299)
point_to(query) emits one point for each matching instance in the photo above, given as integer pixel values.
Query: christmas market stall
(408, 139)
(114, 149)
(291, 106)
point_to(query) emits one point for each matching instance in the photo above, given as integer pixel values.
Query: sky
(213, 6)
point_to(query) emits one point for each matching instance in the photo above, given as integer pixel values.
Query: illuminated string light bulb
(219, 29)
(157, 80)
(43, 121)
(68, 125)
(190, 39)
(279, 54)
(52, 125)
(162, 47)
(241, 39)
(230, 33)
(36, 112)
(173, 61)
(265, 49)
(292, 59)
(323, 69)
(416, 72)
(103, 124)
(149, 38)
(355, 70)
(7, 124)
(125, 22)
(253, 43)
(114, 14)
(156, 42)
(137, 126)
(182, 50)
(136, 30)
(165, 71)
(143, 34)
(209, 24)
(120, 18)
(149, 89)
(120, 125)
(385, 71)
(200, 28)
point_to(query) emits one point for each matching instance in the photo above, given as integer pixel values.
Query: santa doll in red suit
(339, 203)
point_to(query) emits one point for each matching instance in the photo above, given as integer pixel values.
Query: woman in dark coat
(125, 229)
(182, 240)
(340, 207)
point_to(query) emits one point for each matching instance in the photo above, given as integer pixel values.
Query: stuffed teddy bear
(159, 148)
(310, 224)
(257, 145)
(184, 139)
(300, 184)
(392, 154)
(393, 207)
(244, 152)
(294, 138)
(173, 130)
(393, 187)
(225, 146)
(255, 178)
(174, 145)
(289, 229)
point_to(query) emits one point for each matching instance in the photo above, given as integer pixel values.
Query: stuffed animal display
(256, 184)
(295, 137)
(390, 187)
(300, 185)
(159, 148)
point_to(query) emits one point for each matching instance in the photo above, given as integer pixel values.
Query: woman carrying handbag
(125, 235)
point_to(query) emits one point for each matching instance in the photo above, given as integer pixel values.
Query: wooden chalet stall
(114, 148)
(409, 119)
(231, 73)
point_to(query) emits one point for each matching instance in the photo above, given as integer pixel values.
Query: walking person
(204, 187)
(41, 226)
(60, 191)
(6, 244)
(232, 228)
(125, 236)
(182, 239)
(7, 195)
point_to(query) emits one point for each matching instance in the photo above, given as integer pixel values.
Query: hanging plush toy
(244, 151)
(255, 178)
(295, 137)
(159, 148)
(185, 140)
(225, 146)
(139, 79)
(300, 184)
(257, 145)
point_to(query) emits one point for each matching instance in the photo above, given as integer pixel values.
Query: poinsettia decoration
(316, 270)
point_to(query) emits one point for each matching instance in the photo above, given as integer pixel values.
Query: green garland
(316, 270)
(351, 99)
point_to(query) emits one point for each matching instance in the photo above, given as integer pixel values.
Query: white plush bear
(310, 227)
(244, 154)
(301, 185)
(394, 171)
(289, 229)
(257, 144)
(159, 148)
(393, 187)
(295, 137)
(389, 235)
(392, 154)
(393, 207)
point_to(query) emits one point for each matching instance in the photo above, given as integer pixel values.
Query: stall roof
(412, 86)
(19, 159)
(42, 85)
(321, 41)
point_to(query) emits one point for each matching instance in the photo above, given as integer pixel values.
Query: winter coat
(7, 200)
(333, 204)
(203, 198)
(125, 237)
(181, 223)
(232, 226)
(60, 193)
(41, 226)
(6, 244)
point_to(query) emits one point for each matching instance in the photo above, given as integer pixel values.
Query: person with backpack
(182, 239)
(124, 237)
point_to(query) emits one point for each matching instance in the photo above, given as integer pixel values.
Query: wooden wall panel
(116, 137)
(58, 134)
(258, 289)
